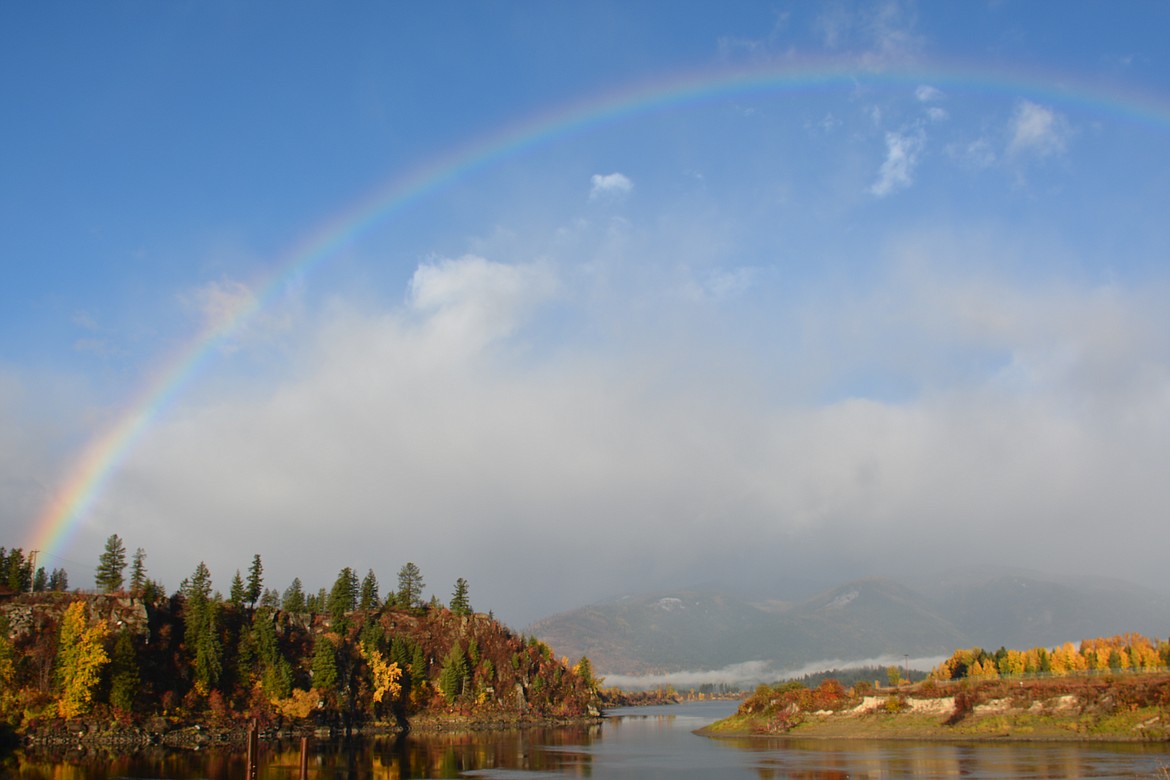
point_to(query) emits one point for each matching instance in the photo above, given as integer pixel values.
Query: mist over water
(755, 672)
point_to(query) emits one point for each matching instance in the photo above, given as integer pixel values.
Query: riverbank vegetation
(348, 658)
(1041, 694)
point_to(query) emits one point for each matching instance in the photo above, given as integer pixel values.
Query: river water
(644, 742)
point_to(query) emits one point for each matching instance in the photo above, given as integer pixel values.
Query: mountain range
(870, 620)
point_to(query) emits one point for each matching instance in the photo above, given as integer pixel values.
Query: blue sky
(744, 293)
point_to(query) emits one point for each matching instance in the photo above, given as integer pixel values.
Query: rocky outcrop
(28, 614)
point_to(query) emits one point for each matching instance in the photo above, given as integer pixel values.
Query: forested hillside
(342, 658)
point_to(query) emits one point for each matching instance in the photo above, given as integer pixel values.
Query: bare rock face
(29, 614)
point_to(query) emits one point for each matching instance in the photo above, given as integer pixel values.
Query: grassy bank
(1132, 709)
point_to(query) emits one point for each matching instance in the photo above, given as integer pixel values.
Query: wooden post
(253, 751)
(304, 758)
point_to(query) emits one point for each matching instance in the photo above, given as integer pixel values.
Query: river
(645, 742)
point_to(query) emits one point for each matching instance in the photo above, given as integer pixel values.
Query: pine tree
(237, 595)
(14, 571)
(255, 580)
(271, 598)
(460, 602)
(324, 665)
(138, 572)
(276, 675)
(453, 674)
(410, 586)
(294, 597)
(343, 597)
(41, 580)
(369, 599)
(59, 580)
(124, 673)
(201, 632)
(111, 564)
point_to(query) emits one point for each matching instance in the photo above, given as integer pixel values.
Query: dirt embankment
(1134, 708)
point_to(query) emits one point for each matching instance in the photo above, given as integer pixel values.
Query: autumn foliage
(197, 657)
(1125, 652)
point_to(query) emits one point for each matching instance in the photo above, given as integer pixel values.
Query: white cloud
(609, 185)
(221, 303)
(928, 94)
(1037, 130)
(978, 154)
(470, 302)
(897, 171)
(879, 34)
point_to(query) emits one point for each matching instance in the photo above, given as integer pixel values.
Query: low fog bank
(752, 673)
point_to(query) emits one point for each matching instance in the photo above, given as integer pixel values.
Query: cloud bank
(505, 424)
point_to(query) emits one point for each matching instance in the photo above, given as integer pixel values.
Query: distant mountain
(693, 630)
(1019, 610)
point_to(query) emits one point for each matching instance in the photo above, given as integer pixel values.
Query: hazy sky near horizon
(737, 293)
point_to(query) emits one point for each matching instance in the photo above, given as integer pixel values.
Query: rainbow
(65, 513)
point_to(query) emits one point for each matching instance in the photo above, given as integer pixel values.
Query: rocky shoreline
(186, 735)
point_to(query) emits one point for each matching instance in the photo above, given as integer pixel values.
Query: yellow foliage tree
(386, 675)
(7, 670)
(1012, 663)
(81, 656)
(298, 705)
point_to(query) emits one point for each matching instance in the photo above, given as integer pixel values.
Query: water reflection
(833, 760)
(500, 754)
(647, 743)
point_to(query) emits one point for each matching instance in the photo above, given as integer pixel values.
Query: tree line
(344, 654)
(1123, 652)
(17, 574)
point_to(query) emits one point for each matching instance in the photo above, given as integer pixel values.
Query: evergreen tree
(460, 601)
(208, 649)
(343, 597)
(294, 597)
(410, 586)
(276, 676)
(124, 673)
(237, 595)
(18, 576)
(255, 580)
(324, 665)
(16, 572)
(111, 565)
(41, 580)
(138, 572)
(271, 598)
(152, 591)
(369, 599)
(454, 673)
(59, 580)
(418, 667)
(201, 632)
